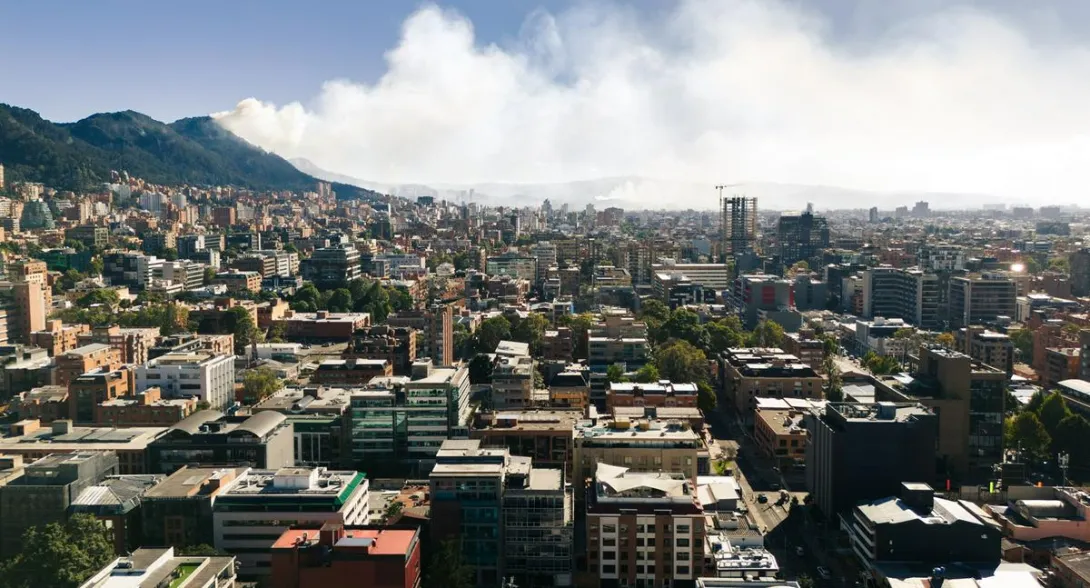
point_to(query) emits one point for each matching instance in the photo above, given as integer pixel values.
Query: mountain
(195, 151)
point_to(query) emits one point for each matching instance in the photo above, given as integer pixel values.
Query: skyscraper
(802, 237)
(739, 224)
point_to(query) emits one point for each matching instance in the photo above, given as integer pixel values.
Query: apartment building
(1061, 363)
(206, 376)
(986, 346)
(751, 372)
(89, 390)
(781, 436)
(331, 267)
(513, 382)
(346, 372)
(239, 281)
(661, 393)
(545, 435)
(644, 444)
(436, 327)
(189, 274)
(512, 264)
(144, 409)
(337, 556)
(81, 360)
(58, 338)
(250, 515)
(322, 325)
(133, 343)
(981, 299)
(644, 528)
(757, 297)
(910, 294)
(396, 345)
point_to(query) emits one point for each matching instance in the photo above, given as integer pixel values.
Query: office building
(178, 510)
(749, 373)
(88, 391)
(128, 446)
(322, 325)
(1079, 264)
(239, 281)
(738, 225)
(801, 237)
(407, 419)
(781, 437)
(862, 452)
(115, 502)
(512, 519)
(908, 294)
(342, 372)
(29, 311)
(260, 505)
(544, 435)
(81, 360)
(331, 267)
(644, 527)
(396, 345)
(544, 254)
(58, 338)
(757, 297)
(513, 381)
(264, 440)
(512, 264)
(133, 343)
(917, 527)
(669, 273)
(163, 567)
(127, 268)
(337, 556)
(44, 492)
(208, 377)
(969, 399)
(980, 300)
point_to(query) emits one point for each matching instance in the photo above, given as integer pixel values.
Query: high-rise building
(644, 528)
(908, 294)
(29, 311)
(738, 225)
(1079, 262)
(436, 326)
(976, 300)
(862, 452)
(802, 237)
(207, 376)
(873, 215)
(987, 347)
(331, 267)
(512, 519)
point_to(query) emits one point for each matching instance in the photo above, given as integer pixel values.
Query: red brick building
(336, 556)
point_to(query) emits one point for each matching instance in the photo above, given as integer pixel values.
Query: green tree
(539, 380)
(579, 324)
(277, 331)
(880, 364)
(722, 334)
(614, 373)
(647, 374)
(531, 330)
(200, 550)
(358, 289)
(680, 361)
(1053, 410)
(59, 555)
(1059, 264)
(834, 385)
(447, 569)
(240, 323)
(684, 324)
(767, 334)
(480, 369)
(705, 397)
(259, 384)
(106, 296)
(491, 332)
(400, 299)
(340, 301)
(946, 340)
(306, 299)
(654, 309)
(378, 303)
(904, 333)
(1023, 343)
(1070, 436)
(209, 275)
(170, 254)
(96, 266)
(1026, 431)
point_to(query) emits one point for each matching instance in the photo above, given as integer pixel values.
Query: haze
(950, 100)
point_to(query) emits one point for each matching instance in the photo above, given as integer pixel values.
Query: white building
(189, 274)
(209, 377)
(260, 505)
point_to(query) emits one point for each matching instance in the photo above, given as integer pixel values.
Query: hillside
(194, 151)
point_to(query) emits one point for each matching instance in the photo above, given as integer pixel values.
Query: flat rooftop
(191, 481)
(293, 481)
(381, 541)
(84, 438)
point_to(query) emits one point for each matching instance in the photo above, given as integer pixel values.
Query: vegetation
(480, 369)
(614, 373)
(259, 384)
(447, 569)
(59, 555)
(1047, 427)
(881, 364)
(195, 151)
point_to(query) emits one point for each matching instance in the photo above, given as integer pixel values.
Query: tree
(531, 330)
(946, 340)
(722, 335)
(904, 333)
(1053, 410)
(340, 301)
(491, 332)
(1023, 342)
(200, 550)
(880, 364)
(393, 511)
(834, 391)
(614, 373)
(447, 569)
(1027, 431)
(654, 309)
(539, 380)
(306, 299)
(1059, 264)
(106, 296)
(400, 299)
(1070, 436)
(680, 361)
(209, 275)
(96, 266)
(358, 289)
(767, 334)
(240, 323)
(480, 369)
(647, 374)
(61, 555)
(378, 303)
(684, 324)
(805, 581)
(170, 254)
(579, 324)
(705, 397)
(259, 384)
(277, 332)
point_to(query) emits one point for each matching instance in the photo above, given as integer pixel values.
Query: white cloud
(717, 91)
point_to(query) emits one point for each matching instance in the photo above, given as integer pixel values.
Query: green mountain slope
(194, 151)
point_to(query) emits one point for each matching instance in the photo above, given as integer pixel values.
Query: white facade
(208, 377)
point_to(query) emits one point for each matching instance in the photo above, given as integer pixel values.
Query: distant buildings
(980, 300)
(908, 294)
(738, 225)
(208, 377)
(331, 267)
(748, 373)
(263, 440)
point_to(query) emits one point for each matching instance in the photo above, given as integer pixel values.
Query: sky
(925, 95)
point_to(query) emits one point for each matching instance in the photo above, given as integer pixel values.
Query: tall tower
(738, 224)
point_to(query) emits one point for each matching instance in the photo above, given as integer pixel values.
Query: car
(762, 499)
(823, 573)
(799, 551)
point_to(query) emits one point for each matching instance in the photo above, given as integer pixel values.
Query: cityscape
(226, 360)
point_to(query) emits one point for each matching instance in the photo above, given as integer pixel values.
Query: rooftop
(619, 483)
(293, 481)
(193, 481)
(377, 541)
(624, 430)
(84, 438)
(893, 510)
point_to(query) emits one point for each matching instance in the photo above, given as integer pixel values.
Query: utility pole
(1064, 460)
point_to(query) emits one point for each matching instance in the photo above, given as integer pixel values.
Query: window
(683, 556)
(628, 460)
(683, 528)
(609, 542)
(683, 570)
(609, 555)
(609, 528)
(639, 569)
(683, 542)
(651, 542)
(609, 569)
